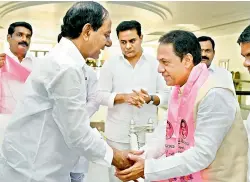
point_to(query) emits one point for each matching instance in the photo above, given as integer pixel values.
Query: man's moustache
(203, 57)
(23, 43)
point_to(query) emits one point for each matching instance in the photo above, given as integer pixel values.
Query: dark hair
(244, 36)
(80, 14)
(129, 25)
(59, 37)
(206, 38)
(184, 42)
(12, 27)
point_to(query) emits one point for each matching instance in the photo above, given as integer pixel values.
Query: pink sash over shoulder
(180, 125)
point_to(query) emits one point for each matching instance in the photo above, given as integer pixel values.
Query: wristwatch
(151, 99)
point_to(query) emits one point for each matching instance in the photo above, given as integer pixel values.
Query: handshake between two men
(129, 165)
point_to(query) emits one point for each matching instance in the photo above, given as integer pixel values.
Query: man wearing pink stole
(205, 139)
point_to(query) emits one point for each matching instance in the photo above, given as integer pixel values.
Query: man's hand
(143, 94)
(121, 160)
(141, 97)
(134, 172)
(134, 99)
(2, 59)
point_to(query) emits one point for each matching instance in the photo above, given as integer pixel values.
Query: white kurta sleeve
(92, 103)
(105, 96)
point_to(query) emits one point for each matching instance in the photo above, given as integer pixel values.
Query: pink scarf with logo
(10, 71)
(181, 124)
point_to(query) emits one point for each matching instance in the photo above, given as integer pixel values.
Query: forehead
(165, 50)
(23, 30)
(106, 26)
(245, 48)
(206, 45)
(128, 34)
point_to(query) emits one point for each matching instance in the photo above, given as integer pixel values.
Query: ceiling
(157, 17)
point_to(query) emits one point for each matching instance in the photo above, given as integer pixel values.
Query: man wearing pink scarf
(205, 139)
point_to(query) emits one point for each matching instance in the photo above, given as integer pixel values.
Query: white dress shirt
(118, 76)
(49, 129)
(215, 116)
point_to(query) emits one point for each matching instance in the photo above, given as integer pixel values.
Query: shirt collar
(13, 56)
(143, 56)
(211, 67)
(69, 47)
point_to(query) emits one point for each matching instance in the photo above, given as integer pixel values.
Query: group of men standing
(49, 137)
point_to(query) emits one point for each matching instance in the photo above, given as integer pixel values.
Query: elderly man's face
(99, 39)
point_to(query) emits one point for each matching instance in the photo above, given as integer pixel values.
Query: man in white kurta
(15, 92)
(133, 69)
(207, 54)
(80, 170)
(49, 129)
(244, 42)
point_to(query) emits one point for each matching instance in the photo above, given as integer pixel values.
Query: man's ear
(8, 37)
(188, 61)
(141, 37)
(86, 31)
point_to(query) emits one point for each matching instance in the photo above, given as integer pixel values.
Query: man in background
(19, 39)
(124, 79)
(207, 54)
(244, 42)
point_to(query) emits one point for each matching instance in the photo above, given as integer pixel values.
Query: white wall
(1, 46)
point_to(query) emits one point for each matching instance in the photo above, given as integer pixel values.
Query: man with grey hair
(49, 129)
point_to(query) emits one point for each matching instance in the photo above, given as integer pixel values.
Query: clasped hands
(129, 165)
(137, 98)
